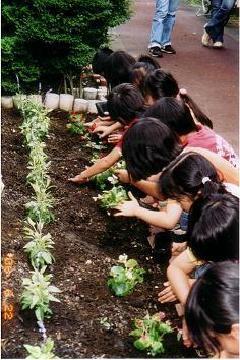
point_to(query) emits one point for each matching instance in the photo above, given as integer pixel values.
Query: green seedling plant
(107, 176)
(37, 294)
(124, 277)
(112, 198)
(39, 246)
(35, 123)
(76, 128)
(39, 208)
(149, 333)
(45, 351)
(38, 165)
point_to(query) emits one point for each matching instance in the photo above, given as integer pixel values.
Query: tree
(45, 40)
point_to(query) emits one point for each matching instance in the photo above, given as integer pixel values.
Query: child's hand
(122, 176)
(167, 294)
(79, 179)
(102, 131)
(128, 208)
(114, 138)
(96, 121)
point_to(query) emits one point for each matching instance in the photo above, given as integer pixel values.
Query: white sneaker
(218, 45)
(206, 40)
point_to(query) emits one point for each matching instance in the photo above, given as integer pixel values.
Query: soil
(87, 243)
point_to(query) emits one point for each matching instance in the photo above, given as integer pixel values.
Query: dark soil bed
(87, 244)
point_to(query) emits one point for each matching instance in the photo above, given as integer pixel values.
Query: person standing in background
(214, 29)
(162, 27)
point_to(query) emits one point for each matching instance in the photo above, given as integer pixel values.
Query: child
(212, 310)
(160, 83)
(177, 115)
(125, 103)
(213, 236)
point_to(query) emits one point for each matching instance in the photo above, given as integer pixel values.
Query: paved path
(210, 76)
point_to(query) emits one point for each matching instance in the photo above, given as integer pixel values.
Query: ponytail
(199, 115)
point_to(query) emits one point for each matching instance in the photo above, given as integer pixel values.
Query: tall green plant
(55, 38)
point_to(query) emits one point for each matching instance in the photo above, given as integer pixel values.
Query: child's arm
(107, 130)
(97, 168)
(230, 173)
(106, 120)
(177, 274)
(148, 187)
(165, 219)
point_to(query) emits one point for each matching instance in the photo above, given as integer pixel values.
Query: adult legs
(168, 22)
(220, 16)
(157, 24)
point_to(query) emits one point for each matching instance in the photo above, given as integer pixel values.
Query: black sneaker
(168, 49)
(155, 51)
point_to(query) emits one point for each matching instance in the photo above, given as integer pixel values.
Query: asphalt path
(210, 76)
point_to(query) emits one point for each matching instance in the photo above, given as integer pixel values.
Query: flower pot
(92, 109)
(7, 102)
(51, 101)
(17, 100)
(80, 105)
(66, 102)
(102, 93)
(35, 98)
(90, 93)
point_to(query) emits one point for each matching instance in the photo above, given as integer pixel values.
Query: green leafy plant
(124, 278)
(39, 208)
(39, 245)
(149, 333)
(45, 351)
(111, 198)
(35, 123)
(37, 165)
(37, 294)
(76, 128)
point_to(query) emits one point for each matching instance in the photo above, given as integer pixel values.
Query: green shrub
(54, 39)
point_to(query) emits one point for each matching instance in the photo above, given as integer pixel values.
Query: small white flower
(122, 258)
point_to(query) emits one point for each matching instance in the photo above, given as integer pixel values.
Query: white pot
(17, 100)
(51, 101)
(7, 102)
(80, 105)
(90, 93)
(92, 109)
(36, 98)
(102, 92)
(66, 102)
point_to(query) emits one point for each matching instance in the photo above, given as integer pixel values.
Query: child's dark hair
(213, 228)
(139, 70)
(100, 59)
(199, 115)
(125, 103)
(148, 146)
(160, 83)
(174, 113)
(191, 174)
(212, 305)
(117, 68)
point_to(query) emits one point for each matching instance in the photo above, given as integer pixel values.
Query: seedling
(76, 128)
(124, 278)
(45, 351)
(149, 333)
(104, 321)
(39, 246)
(37, 294)
(38, 209)
(111, 198)
(38, 165)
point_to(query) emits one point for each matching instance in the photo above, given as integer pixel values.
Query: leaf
(131, 263)
(141, 344)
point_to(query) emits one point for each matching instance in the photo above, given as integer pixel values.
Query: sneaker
(168, 49)
(155, 51)
(206, 40)
(218, 45)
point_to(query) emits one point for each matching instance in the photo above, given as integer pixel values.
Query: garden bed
(87, 244)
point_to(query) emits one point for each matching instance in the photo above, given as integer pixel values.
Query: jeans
(163, 22)
(219, 18)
